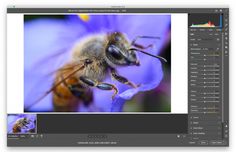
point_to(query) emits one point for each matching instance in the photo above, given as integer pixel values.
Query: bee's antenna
(155, 56)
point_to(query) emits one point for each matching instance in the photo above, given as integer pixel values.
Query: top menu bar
(116, 10)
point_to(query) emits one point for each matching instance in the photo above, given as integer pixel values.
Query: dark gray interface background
(206, 123)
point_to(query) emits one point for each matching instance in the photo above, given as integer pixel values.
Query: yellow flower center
(84, 17)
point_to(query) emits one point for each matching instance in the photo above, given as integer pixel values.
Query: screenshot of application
(117, 76)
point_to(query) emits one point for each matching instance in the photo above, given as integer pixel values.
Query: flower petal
(98, 23)
(146, 25)
(46, 48)
(153, 79)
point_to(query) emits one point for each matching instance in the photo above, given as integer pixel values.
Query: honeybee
(20, 124)
(92, 59)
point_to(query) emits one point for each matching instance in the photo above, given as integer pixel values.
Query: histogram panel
(204, 20)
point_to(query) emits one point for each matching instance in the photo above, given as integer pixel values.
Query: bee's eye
(114, 52)
(133, 54)
(117, 38)
(88, 61)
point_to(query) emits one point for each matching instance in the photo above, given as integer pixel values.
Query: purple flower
(46, 39)
(14, 119)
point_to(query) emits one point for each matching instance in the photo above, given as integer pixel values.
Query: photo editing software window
(117, 76)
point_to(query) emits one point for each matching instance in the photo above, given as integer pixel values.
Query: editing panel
(208, 77)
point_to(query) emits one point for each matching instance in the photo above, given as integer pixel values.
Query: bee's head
(25, 120)
(118, 50)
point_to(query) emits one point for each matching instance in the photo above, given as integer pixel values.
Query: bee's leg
(107, 86)
(122, 79)
(99, 85)
(79, 91)
(76, 89)
(133, 43)
(24, 126)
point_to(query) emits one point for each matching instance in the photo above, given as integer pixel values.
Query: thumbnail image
(97, 63)
(21, 123)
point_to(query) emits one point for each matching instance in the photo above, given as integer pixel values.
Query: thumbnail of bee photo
(21, 123)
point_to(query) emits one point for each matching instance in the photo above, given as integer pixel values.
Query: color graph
(205, 20)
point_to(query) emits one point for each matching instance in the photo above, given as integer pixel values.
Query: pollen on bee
(84, 17)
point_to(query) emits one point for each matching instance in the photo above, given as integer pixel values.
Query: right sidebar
(208, 77)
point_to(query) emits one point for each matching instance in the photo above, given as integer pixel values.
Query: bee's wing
(42, 95)
(47, 45)
(40, 72)
(54, 59)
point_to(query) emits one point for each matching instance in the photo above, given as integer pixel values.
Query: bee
(20, 124)
(92, 59)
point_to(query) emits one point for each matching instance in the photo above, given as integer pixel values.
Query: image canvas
(97, 63)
